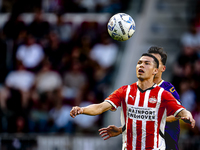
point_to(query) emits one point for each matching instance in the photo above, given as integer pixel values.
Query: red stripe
(130, 121)
(124, 110)
(139, 133)
(150, 134)
(129, 135)
(141, 102)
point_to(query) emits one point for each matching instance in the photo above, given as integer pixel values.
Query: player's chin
(140, 77)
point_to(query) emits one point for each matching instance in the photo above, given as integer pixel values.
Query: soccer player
(144, 107)
(172, 128)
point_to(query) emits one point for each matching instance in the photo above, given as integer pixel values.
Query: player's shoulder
(166, 84)
(161, 88)
(124, 87)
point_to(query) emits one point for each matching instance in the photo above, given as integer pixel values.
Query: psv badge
(152, 100)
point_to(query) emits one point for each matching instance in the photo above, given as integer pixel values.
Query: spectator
(86, 124)
(48, 86)
(74, 81)
(38, 119)
(187, 95)
(191, 39)
(39, 28)
(55, 50)
(62, 122)
(63, 29)
(105, 53)
(48, 81)
(21, 80)
(13, 26)
(31, 54)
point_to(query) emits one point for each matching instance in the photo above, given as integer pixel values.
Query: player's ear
(163, 68)
(155, 71)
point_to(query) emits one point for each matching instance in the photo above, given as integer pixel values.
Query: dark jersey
(172, 129)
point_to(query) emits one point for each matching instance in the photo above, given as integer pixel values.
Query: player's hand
(110, 131)
(189, 119)
(76, 111)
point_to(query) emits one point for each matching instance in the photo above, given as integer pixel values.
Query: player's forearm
(171, 119)
(96, 109)
(184, 113)
(186, 116)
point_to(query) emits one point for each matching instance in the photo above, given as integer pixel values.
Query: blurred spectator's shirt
(105, 55)
(21, 80)
(48, 81)
(188, 99)
(85, 121)
(65, 31)
(61, 116)
(31, 56)
(191, 40)
(73, 83)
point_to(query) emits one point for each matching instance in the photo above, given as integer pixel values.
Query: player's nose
(141, 65)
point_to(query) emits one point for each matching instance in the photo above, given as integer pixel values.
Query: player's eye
(139, 62)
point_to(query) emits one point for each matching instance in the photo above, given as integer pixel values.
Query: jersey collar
(160, 82)
(142, 91)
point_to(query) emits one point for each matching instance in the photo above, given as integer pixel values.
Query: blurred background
(55, 54)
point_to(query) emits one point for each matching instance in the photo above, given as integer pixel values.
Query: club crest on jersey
(152, 100)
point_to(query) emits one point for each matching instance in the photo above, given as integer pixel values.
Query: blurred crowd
(47, 68)
(186, 72)
(64, 6)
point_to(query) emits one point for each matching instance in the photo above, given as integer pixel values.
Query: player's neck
(145, 84)
(157, 80)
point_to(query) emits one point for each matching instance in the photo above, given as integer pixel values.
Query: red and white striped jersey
(144, 113)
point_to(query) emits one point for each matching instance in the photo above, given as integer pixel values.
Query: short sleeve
(171, 104)
(117, 97)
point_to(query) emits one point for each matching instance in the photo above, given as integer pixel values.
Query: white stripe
(179, 110)
(137, 98)
(124, 137)
(143, 134)
(156, 123)
(146, 98)
(163, 121)
(124, 134)
(109, 101)
(127, 93)
(144, 121)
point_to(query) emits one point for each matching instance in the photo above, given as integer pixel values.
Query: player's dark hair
(155, 59)
(160, 51)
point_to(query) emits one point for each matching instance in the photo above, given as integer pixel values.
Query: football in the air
(121, 27)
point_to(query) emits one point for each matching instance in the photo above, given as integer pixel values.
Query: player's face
(145, 68)
(161, 68)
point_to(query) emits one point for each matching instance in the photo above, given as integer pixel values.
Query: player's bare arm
(171, 119)
(94, 109)
(186, 116)
(110, 131)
